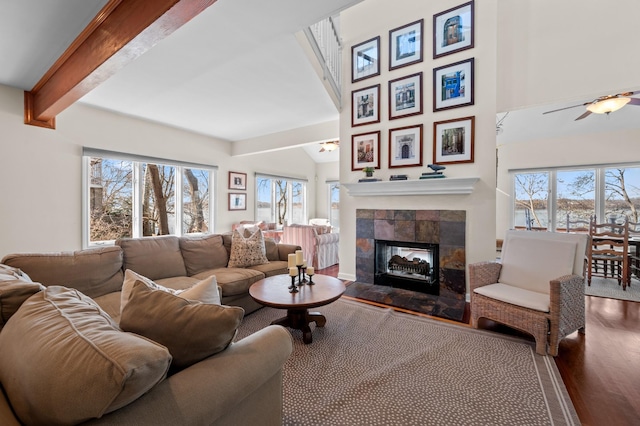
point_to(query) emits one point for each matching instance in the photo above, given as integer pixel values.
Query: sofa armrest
(483, 273)
(210, 389)
(284, 250)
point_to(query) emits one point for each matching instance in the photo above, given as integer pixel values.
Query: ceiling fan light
(329, 146)
(608, 105)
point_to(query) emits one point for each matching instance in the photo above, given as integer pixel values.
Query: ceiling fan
(329, 146)
(605, 104)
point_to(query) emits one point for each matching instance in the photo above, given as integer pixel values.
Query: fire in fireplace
(408, 265)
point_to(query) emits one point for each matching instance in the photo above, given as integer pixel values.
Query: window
(131, 196)
(334, 205)
(611, 193)
(281, 199)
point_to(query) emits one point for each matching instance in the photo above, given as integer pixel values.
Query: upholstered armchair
(538, 287)
(319, 245)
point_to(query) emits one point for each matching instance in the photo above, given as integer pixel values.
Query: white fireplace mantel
(439, 186)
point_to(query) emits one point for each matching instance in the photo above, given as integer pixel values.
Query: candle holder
(292, 287)
(304, 279)
(301, 280)
(311, 279)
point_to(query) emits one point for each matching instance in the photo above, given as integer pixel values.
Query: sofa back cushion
(203, 252)
(153, 257)
(530, 263)
(95, 271)
(64, 361)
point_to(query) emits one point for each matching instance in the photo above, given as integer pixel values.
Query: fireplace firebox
(408, 265)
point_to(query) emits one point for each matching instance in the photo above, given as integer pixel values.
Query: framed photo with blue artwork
(453, 85)
(405, 45)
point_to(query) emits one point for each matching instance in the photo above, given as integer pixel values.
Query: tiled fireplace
(442, 229)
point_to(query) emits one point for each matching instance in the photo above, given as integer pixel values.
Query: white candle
(310, 270)
(292, 260)
(299, 258)
(304, 263)
(293, 271)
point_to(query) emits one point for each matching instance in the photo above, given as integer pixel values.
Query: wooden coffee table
(273, 292)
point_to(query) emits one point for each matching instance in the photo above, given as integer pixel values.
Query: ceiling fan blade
(562, 109)
(586, 114)
(634, 101)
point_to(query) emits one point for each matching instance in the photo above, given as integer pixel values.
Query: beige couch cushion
(64, 361)
(271, 249)
(94, 271)
(233, 281)
(191, 330)
(203, 252)
(530, 263)
(247, 251)
(156, 257)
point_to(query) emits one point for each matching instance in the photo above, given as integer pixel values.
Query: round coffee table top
(273, 292)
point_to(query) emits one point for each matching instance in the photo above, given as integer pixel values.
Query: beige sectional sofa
(242, 384)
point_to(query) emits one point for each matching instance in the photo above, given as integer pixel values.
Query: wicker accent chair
(538, 287)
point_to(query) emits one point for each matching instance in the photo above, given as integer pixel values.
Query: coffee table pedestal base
(299, 319)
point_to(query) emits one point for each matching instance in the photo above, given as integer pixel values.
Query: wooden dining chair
(634, 250)
(577, 225)
(609, 246)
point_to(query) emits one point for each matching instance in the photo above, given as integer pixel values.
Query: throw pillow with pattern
(248, 251)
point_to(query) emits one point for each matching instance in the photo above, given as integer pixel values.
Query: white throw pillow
(205, 291)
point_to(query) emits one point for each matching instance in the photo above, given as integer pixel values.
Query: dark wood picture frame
(405, 96)
(451, 31)
(365, 106)
(237, 201)
(237, 180)
(405, 45)
(365, 150)
(453, 85)
(405, 146)
(453, 140)
(365, 59)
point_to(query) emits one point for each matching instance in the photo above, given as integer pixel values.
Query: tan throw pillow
(247, 251)
(205, 291)
(13, 293)
(192, 331)
(64, 361)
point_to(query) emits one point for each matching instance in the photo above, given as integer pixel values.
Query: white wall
(550, 50)
(324, 172)
(375, 18)
(40, 169)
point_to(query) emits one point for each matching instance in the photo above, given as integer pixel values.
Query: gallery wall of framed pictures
(402, 89)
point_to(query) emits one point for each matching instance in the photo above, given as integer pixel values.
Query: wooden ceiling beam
(120, 33)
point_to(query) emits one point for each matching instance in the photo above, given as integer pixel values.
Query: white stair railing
(325, 42)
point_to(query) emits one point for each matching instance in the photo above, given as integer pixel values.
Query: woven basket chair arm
(483, 273)
(567, 303)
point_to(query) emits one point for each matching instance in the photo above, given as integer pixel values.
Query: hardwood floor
(601, 369)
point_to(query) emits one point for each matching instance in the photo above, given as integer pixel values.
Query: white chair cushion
(516, 296)
(530, 263)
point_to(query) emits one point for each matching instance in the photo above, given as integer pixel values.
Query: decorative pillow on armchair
(191, 330)
(247, 251)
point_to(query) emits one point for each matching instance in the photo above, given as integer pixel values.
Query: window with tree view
(280, 200)
(136, 199)
(609, 193)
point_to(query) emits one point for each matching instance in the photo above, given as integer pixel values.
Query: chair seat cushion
(516, 296)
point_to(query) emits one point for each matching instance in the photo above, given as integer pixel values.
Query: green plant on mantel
(368, 171)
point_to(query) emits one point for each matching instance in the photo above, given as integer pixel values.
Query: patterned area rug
(374, 366)
(603, 287)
